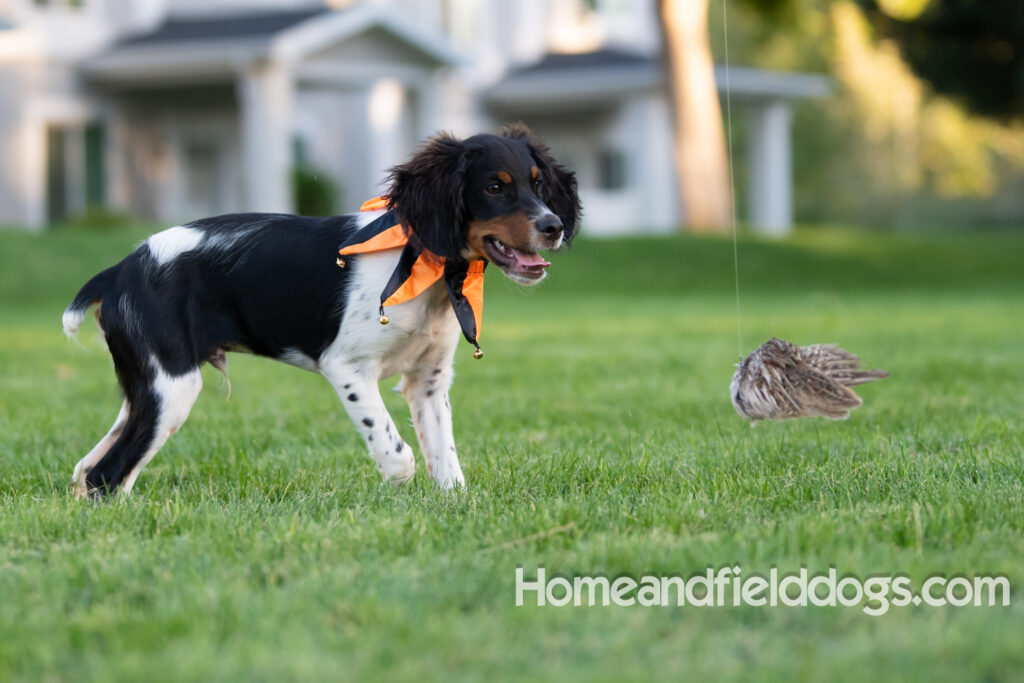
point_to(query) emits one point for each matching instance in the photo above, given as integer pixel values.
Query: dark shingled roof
(554, 61)
(224, 27)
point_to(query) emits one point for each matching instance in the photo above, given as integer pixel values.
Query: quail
(781, 380)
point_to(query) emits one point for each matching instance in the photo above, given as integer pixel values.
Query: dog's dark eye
(536, 186)
(493, 188)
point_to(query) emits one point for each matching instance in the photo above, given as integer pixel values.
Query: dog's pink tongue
(530, 260)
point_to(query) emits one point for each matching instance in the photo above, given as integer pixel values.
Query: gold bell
(478, 354)
(384, 320)
(341, 262)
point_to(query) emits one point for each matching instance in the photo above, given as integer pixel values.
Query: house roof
(234, 26)
(563, 80)
(213, 49)
(603, 58)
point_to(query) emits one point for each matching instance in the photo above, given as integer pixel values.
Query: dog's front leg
(426, 390)
(360, 395)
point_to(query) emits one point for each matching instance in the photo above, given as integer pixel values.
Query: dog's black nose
(549, 224)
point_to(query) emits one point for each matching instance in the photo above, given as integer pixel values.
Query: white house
(172, 110)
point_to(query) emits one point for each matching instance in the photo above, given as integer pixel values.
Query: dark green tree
(970, 50)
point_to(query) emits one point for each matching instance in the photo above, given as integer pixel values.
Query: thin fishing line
(732, 183)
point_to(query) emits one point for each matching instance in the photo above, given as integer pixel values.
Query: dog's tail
(90, 294)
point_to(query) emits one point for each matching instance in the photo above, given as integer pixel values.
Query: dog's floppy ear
(427, 195)
(559, 187)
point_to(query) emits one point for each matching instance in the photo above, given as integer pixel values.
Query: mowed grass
(597, 438)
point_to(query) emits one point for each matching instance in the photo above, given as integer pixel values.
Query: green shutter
(95, 168)
(56, 175)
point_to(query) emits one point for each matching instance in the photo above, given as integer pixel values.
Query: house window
(611, 169)
(300, 151)
(73, 4)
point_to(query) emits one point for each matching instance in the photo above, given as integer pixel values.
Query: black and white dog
(270, 284)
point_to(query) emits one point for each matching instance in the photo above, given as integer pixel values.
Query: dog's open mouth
(528, 265)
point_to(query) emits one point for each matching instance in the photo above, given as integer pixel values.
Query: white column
(74, 154)
(391, 125)
(32, 171)
(770, 168)
(657, 167)
(527, 20)
(265, 97)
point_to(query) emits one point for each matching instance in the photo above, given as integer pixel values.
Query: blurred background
(895, 113)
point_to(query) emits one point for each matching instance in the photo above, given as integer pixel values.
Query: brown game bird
(781, 380)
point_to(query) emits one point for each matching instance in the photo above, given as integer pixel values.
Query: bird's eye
(536, 185)
(493, 188)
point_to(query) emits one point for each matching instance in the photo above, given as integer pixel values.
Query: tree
(700, 151)
(968, 49)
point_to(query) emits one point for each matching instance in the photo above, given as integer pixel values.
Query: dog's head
(500, 197)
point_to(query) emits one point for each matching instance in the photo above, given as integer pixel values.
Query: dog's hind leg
(157, 408)
(98, 451)
(176, 395)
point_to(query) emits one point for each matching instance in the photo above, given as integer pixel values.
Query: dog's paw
(399, 471)
(450, 479)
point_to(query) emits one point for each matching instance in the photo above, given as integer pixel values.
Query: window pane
(611, 169)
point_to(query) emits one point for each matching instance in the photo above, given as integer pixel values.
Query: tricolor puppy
(314, 292)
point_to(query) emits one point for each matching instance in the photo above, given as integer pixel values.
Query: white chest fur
(417, 328)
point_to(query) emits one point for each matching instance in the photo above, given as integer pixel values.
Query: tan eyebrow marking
(504, 177)
(534, 172)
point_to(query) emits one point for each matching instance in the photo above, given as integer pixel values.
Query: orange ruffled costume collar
(418, 270)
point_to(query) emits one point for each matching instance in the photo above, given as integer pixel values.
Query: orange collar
(465, 281)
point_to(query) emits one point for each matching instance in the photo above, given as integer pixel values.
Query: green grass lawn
(597, 436)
